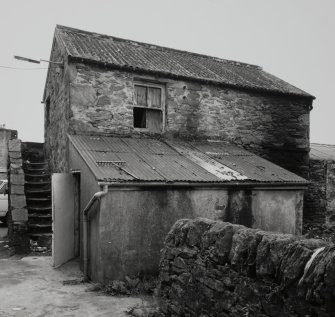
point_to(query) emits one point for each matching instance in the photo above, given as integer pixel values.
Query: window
(47, 112)
(148, 107)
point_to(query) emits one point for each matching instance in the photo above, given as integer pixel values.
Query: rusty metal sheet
(213, 166)
(246, 163)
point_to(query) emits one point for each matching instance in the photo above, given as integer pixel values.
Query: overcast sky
(292, 39)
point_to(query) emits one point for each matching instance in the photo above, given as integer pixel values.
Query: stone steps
(38, 197)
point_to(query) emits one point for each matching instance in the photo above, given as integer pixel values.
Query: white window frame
(162, 109)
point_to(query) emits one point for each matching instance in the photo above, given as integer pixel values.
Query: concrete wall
(95, 100)
(88, 187)
(274, 209)
(133, 222)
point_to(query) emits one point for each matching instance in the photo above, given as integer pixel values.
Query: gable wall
(56, 118)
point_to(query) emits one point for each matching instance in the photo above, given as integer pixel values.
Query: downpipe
(86, 218)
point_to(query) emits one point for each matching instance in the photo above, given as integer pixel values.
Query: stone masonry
(320, 198)
(214, 268)
(17, 198)
(90, 99)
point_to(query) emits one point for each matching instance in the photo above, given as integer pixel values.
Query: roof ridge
(160, 47)
(332, 145)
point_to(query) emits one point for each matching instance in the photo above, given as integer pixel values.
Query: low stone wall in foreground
(214, 268)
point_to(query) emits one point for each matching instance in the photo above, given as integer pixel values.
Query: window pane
(141, 95)
(2, 188)
(155, 97)
(154, 120)
(140, 117)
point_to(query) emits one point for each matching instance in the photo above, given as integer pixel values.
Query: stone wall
(56, 112)
(17, 198)
(315, 201)
(101, 101)
(330, 192)
(18, 212)
(214, 268)
(320, 197)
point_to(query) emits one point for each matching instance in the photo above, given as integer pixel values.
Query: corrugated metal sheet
(248, 164)
(322, 151)
(206, 162)
(140, 56)
(149, 160)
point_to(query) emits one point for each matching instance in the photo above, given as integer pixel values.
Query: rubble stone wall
(320, 197)
(17, 198)
(101, 101)
(214, 268)
(330, 191)
(56, 113)
(315, 198)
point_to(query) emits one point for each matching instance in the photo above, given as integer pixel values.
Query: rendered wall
(88, 187)
(95, 100)
(278, 209)
(133, 223)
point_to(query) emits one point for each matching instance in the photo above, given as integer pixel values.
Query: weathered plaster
(278, 210)
(128, 230)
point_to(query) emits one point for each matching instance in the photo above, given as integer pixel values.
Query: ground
(30, 287)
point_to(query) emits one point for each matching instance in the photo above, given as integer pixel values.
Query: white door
(63, 218)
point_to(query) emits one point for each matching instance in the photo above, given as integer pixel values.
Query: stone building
(158, 130)
(201, 97)
(320, 198)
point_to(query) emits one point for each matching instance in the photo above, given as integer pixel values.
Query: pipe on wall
(86, 217)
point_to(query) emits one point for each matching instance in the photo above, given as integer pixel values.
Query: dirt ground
(31, 287)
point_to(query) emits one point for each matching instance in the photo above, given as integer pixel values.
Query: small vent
(218, 155)
(108, 163)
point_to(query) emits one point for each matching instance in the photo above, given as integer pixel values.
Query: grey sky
(292, 39)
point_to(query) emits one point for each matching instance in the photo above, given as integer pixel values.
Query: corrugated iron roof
(136, 56)
(322, 151)
(116, 159)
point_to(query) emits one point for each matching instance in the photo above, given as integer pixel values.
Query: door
(63, 218)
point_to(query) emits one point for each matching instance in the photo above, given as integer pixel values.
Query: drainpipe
(86, 218)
